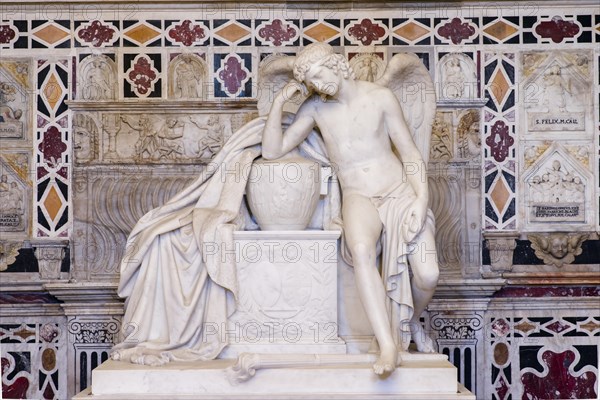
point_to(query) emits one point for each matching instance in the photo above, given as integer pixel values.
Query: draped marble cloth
(179, 286)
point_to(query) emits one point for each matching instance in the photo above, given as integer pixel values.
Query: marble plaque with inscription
(556, 122)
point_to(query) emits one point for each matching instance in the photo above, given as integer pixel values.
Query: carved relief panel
(97, 78)
(556, 93)
(145, 138)
(457, 77)
(15, 194)
(188, 77)
(456, 136)
(15, 101)
(558, 189)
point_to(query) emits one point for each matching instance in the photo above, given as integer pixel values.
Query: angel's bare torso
(357, 140)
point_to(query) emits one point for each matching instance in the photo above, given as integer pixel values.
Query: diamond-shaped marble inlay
(51, 34)
(52, 90)
(500, 195)
(24, 333)
(499, 86)
(500, 30)
(557, 327)
(142, 33)
(590, 326)
(525, 326)
(321, 32)
(53, 203)
(233, 32)
(411, 31)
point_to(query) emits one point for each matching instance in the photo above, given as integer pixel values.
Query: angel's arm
(275, 143)
(414, 166)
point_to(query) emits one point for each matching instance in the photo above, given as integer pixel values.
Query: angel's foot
(421, 339)
(387, 361)
(150, 359)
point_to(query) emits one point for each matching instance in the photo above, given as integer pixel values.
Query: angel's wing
(274, 72)
(410, 81)
(539, 243)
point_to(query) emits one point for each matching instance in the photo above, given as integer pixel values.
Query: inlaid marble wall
(106, 110)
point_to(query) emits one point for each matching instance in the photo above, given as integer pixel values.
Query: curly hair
(321, 53)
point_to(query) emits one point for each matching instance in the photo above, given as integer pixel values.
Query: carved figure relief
(85, 137)
(469, 138)
(441, 137)
(457, 77)
(97, 78)
(188, 74)
(144, 138)
(15, 89)
(214, 137)
(557, 249)
(532, 153)
(367, 67)
(557, 91)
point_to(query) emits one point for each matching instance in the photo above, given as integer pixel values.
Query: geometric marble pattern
(498, 71)
(141, 33)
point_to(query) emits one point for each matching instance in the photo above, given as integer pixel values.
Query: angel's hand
(291, 89)
(416, 220)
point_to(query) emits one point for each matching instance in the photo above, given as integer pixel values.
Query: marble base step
(421, 376)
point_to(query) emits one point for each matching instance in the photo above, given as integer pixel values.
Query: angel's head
(321, 69)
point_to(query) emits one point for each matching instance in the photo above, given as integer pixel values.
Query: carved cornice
(453, 288)
(84, 292)
(164, 106)
(461, 103)
(552, 278)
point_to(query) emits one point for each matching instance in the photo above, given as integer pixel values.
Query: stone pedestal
(421, 376)
(287, 300)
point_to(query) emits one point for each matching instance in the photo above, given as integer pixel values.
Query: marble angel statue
(376, 138)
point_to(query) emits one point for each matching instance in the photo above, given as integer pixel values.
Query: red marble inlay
(96, 33)
(142, 75)
(24, 298)
(41, 121)
(48, 392)
(557, 29)
(41, 172)
(52, 146)
(549, 291)
(277, 32)
(232, 74)
(64, 172)
(557, 327)
(7, 34)
(456, 30)
(499, 141)
(367, 32)
(18, 388)
(500, 327)
(63, 122)
(558, 383)
(501, 388)
(187, 33)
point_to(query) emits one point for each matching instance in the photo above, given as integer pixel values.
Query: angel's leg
(425, 277)
(362, 227)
